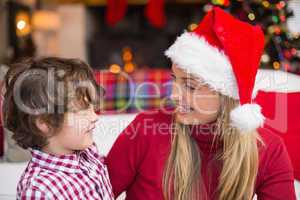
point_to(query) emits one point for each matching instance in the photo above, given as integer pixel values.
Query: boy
(49, 105)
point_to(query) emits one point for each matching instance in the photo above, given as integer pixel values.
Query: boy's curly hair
(46, 89)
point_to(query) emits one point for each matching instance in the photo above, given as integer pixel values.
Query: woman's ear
(42, 126)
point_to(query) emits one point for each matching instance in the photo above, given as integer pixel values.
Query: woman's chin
(192, 118)
(185, 118)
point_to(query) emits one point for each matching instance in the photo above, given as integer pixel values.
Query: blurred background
(124, 40)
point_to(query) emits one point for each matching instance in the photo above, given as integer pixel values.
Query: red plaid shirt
(81, 175)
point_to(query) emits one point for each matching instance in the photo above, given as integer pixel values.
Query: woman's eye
(173, 77)
(192, 88)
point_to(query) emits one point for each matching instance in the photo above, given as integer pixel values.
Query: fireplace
(106, 44)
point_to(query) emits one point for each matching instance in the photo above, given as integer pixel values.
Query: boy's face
(76, 130)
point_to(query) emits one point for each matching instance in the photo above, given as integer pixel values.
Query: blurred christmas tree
(282, 50)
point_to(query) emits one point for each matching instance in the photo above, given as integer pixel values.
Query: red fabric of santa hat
(224, 52)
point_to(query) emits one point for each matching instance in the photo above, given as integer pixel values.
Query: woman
(213, 146)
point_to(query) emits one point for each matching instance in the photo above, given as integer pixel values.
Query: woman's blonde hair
(182, 175)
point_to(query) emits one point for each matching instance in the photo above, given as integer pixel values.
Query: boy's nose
(93, 117)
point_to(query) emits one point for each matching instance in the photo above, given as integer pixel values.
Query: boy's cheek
(82, 126)
(71, 119)
(76, 122)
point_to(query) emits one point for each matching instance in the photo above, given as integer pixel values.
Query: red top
(137, 159)
(282, 113)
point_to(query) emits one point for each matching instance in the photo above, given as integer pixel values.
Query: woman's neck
(208, 128)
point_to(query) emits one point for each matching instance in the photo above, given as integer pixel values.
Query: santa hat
(225, 53)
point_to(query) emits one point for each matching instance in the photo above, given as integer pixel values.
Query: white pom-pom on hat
(247, 117)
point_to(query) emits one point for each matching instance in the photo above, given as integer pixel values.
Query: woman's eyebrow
(189, 79)
(185, 78)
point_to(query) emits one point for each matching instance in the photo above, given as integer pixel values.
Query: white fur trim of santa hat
(196, 56)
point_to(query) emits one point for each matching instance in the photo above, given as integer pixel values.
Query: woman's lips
(184, 109)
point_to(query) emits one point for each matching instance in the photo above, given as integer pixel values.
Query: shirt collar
(67, 163)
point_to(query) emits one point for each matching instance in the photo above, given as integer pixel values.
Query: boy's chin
(85, 144)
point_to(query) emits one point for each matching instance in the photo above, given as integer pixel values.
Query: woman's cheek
(206, 103)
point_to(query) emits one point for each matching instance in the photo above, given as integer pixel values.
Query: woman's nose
(176, 94)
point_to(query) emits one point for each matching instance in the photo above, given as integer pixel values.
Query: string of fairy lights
(282, 49)
(282, 46)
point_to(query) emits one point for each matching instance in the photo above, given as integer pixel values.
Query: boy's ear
(42, 126)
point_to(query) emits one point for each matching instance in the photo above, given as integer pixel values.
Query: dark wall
(19, 47)
(3, 33)
(148, 44)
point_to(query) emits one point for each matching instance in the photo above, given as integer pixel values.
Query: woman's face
(195, 102)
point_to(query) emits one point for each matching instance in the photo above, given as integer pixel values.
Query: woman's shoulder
(271, 144)
(270, 138)
(148, 129)
(275, 168)
(140, 150)
(273, 153)
(157, 115)
(151, 123)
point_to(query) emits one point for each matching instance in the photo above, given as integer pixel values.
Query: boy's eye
(83, 111)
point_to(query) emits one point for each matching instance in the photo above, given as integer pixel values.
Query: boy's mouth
(91, 129)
